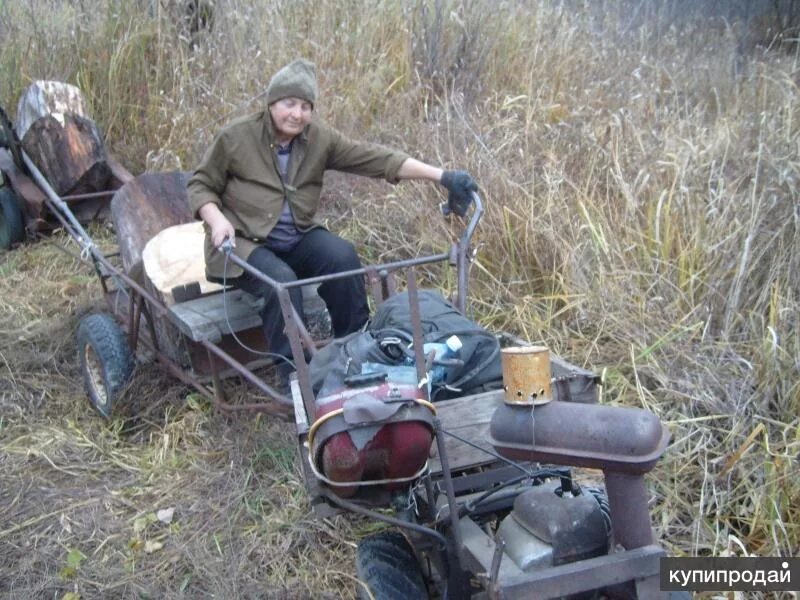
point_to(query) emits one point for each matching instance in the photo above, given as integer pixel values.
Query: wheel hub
(95, 372)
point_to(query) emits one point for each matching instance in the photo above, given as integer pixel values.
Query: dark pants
(319, 253)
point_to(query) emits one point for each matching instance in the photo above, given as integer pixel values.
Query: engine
(550, 526)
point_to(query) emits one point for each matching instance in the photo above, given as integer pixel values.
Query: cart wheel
(388, 568)
(105, 358)
(12, 229)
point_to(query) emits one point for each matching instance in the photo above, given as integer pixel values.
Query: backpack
(480, 351)
(387, 339)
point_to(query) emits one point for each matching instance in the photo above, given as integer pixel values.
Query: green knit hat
(298, 79)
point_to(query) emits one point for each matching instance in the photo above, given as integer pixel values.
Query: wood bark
(71, 156)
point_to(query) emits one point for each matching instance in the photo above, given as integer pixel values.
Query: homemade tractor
(460, 441)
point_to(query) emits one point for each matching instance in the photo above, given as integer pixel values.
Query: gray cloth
(285, 235)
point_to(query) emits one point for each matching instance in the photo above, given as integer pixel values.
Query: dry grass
(642, 185)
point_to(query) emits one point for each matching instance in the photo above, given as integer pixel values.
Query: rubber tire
(106, 360)
(388, 568)
(12, 226)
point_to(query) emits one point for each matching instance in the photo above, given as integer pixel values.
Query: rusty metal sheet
(590, 574)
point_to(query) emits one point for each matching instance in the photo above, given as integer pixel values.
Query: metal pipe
(247, 374)
(303, 375)
(448, 487)
(133, 323)
(429, 494)
(462, 259)
(89, 195)
(160, 308)
(303, 332)
(323, 278)
(630, 519)
(82, 238)
(416, 332)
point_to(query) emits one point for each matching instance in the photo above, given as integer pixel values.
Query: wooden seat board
(209, 317)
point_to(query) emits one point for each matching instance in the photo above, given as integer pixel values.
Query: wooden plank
(468, 418)
(209, 317)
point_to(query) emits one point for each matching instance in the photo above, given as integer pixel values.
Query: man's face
(290, 116)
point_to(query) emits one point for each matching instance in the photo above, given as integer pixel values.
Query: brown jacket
(239, 173)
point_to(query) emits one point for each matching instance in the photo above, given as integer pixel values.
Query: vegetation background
(640, 162)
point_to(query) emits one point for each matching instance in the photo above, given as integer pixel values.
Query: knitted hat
(298, 79)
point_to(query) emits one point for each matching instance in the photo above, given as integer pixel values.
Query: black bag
(480, 352)
(387, 342)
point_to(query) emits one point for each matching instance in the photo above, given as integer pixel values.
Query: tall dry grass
(641, 179)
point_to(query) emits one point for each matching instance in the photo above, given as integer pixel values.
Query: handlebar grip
(227, 246)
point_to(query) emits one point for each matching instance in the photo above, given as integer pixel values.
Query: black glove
(460, 185)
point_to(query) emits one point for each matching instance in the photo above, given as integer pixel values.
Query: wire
(490, 453)
(227, 252)
(540, 475)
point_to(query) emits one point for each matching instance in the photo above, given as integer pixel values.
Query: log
(141, 209)
(145, 206)
(72, 157)
(61, 139)
(175, 258)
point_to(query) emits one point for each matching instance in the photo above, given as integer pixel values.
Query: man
(259, 186)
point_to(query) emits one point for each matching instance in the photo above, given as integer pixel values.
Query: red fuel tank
(378, 433)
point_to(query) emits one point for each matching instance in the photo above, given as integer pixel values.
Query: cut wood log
(43, 98)
(140, 210)
(145, 206)
(174, 258)
(61, 139)
(72, 157)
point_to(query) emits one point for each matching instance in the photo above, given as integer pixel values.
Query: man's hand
(460, 185)
(221, 228)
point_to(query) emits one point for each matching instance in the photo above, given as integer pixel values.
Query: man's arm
(415, 169)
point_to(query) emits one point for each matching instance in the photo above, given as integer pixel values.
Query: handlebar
(474, 220)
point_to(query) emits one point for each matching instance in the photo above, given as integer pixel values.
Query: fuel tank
(375, 432)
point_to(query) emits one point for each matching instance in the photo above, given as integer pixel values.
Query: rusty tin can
(526, 375)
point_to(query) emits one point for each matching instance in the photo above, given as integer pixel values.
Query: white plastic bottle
(450, 349)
